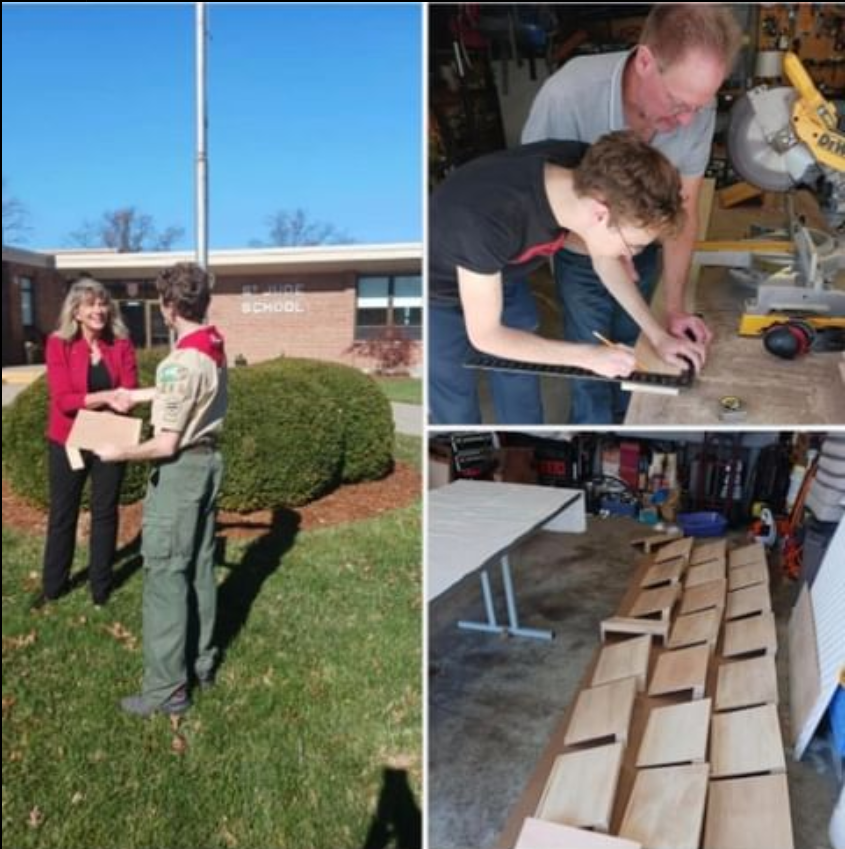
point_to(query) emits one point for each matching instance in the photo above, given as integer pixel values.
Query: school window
(389, 302)
(27, 302)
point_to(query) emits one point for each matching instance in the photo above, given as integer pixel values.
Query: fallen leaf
(77, 798)
(19, 642)
(35, 817)
(178, 745)
(123, 635)
(8, 704)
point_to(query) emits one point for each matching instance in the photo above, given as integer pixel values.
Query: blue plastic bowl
(707, 524)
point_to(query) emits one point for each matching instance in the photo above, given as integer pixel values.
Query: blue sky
(315, 106)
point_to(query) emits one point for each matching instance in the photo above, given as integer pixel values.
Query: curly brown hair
(186, 286)
(637, 183)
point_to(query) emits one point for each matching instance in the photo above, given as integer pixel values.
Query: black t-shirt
(493, 215)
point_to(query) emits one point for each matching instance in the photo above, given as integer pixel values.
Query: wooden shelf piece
(679, 548)
(668, 572)
(747, 576)
(581, 788)
(628, 659)
(748, 813)
(714, 550)
(660, 600)
(747, 683)
(745, 742)
(539, 834)
(701, 627)
(658, 628)
(603, 711)
(747, 555)
(748, 600)
(681, 670)
(753, 634)
(706, 573)
(649, 541)
(666, 807)
(676, 734)
(704, 596)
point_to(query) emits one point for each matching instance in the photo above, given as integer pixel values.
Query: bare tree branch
(126, 230)
(288, 229)
(15, 219)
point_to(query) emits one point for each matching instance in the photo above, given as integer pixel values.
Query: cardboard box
(92, 429)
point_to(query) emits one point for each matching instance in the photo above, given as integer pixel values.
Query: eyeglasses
(677, 107)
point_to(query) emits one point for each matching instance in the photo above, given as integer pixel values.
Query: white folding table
(471, 524)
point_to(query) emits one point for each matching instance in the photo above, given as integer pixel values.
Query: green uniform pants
(178, 549)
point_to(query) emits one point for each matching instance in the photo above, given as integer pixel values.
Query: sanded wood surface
(658, 628)
(746, 555)
(628, 659)
(747, 683)
(756, 599)
(678, 548)
(701, 627)
(745, 742)
(747, 576)
(581, 787)
(660, 600)
(666, 808)
(649, 541)
(804, 670)
(752, 634)
(749, 813)
(704, 573)
(603, 711)
(712, 594)
(676, 734)
(668, 572)
(681, 670)
(539, 834)
(713, 550)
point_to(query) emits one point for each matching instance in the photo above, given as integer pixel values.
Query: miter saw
(781, 138)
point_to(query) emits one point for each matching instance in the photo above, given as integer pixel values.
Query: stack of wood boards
(673, 741)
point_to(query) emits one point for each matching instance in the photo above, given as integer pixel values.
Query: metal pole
(202, 132)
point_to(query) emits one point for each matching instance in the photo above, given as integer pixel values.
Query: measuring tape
(731, 408)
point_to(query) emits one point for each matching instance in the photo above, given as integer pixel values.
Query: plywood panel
(746, 742)
(804, 675)
(539, 834)
(747, 576)
(753, 634)
(581, 787)
(650, 541)
(714, 550)
(746, 683)
(746, 555)
(668, 572)
(703, 596)
(658, 628)
(676, 734)
(678, 548)
(666, 807)
(701, 627)
(678, 671)
(749, 813)
(628, 659)
(749, 600)
(713, 570)
(660, 600)
(603, 711)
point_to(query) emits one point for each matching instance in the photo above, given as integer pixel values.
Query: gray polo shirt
(583, 101)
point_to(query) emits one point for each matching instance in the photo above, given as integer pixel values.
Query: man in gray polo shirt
(664, 91)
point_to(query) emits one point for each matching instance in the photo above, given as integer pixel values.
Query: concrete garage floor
(493, 702)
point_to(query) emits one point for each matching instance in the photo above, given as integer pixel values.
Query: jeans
(453, 389)
(588, 306)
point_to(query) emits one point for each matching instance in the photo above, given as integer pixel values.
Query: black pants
(66, 485)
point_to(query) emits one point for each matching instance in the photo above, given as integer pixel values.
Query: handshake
(122, 400)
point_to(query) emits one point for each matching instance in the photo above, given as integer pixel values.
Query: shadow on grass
(397, 821)
(127, 561)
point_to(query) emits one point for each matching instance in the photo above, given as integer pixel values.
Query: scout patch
(170, 376)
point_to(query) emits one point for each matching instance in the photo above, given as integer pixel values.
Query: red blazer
(67, 378)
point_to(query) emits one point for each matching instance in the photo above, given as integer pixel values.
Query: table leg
(513, 619)
(491, 625)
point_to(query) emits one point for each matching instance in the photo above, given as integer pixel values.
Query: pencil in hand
(609, 344)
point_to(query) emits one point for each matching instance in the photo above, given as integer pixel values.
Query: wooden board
(804, 671)
(676, 734)
(668, 572)
(658, 628)
(603, 711)
(649, 541)
(713, 550)
(745, 742)
(747, 576)
(660, 600)
(704, 596)
(681, 670)
(749, 813)
(701, 627)
(755, 552)
(666, 807)
(581, 788)
(713, 570)
(539, 834)
(752, 634)
(678, 548)
(747, 683)
(749, 600)
(628, 659)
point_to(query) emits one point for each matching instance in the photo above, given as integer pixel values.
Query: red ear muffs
(789, 339)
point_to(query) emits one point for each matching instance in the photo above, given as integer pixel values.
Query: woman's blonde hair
(636, 182)
(86, 290)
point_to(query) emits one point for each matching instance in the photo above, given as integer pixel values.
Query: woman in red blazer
(90, 360)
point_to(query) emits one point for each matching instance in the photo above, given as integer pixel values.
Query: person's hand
(108, 453)
(121, 400)
(686, 325)
(681, 352)
(618, 361)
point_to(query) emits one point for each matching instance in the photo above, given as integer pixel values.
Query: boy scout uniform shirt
(191, 391)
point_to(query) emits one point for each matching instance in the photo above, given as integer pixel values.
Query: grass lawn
(405, 390)
(312, 737)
